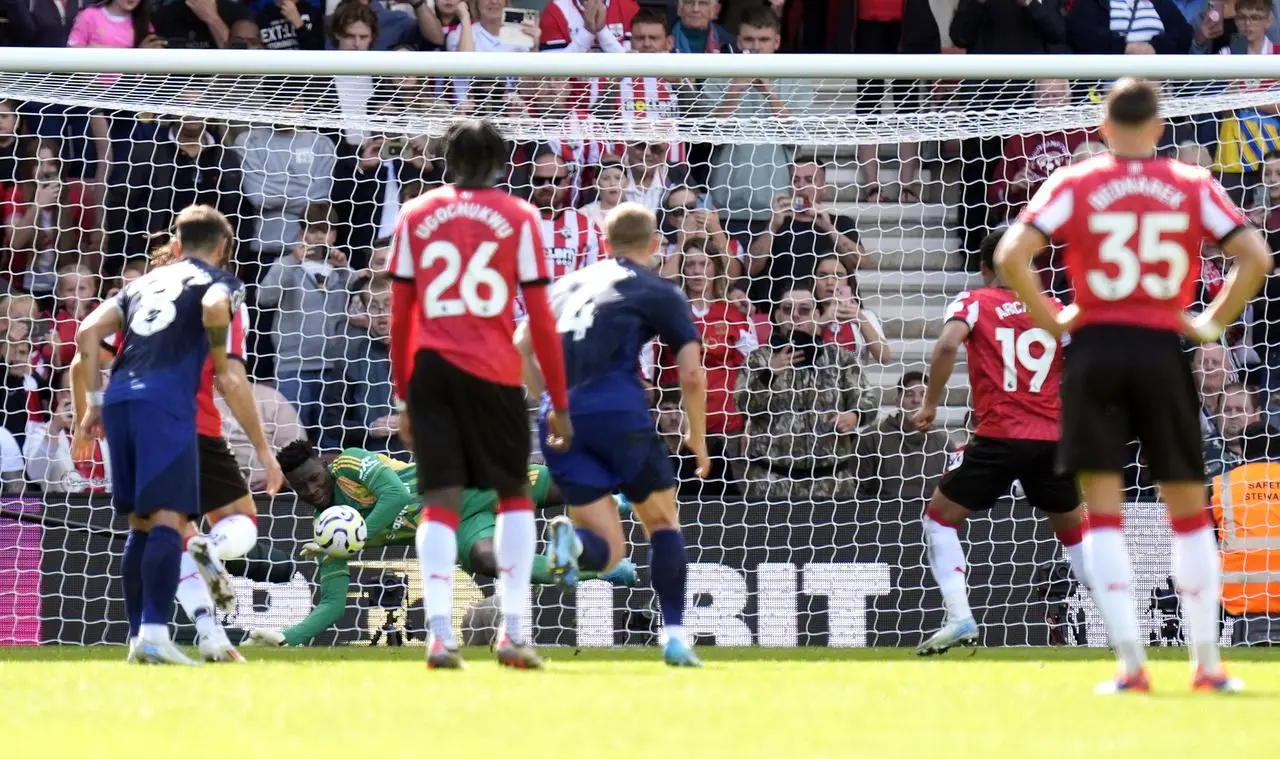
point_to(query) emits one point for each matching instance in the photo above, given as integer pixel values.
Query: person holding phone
(846, 322)
(491, 31)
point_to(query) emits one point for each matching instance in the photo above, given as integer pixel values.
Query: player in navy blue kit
(605, 314)
(171, 317)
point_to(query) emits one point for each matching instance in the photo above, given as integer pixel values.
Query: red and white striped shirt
(647, 98)
(564, 27)
(572, 242)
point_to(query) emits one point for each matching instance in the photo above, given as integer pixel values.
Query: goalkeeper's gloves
(264, 638)
(311, 550)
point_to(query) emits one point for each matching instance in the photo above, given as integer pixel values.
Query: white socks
(1107, 566)
(1075, 555)
(1197, 572)
(514, 545)
(437, 552)
(947, 564)
(233, 536)
(194, 596)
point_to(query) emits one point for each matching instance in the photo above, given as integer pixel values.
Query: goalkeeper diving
(385, 493)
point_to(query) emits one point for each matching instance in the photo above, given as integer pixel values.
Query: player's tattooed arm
(217, 323)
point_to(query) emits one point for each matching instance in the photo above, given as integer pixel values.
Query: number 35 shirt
(1014, 366)
(1132, 230)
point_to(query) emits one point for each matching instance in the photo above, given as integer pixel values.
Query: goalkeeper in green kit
(385, 493)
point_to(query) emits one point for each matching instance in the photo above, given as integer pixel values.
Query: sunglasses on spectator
(543, 181)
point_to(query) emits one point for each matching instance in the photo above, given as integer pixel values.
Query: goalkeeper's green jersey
(385, 492)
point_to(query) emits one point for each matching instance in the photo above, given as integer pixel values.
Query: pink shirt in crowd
(95, 26)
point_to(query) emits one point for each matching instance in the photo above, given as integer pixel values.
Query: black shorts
(468, 432)
(220, 480)
(988, 466)
(1120, 383)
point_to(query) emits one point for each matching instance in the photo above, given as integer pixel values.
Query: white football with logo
(340, 531)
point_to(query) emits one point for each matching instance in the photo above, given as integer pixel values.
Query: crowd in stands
(749, 230)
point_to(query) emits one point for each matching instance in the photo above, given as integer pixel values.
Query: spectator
(745, 177)
(1247, 134)
(572, 240)
(484, 35)
(1211, 367)
(52, 222)
(371, 420)
(1240, 410)
(389, 26)
(354, 27)
(114, 23)
(609, 180)
(696, 30)
(284, 169)
(201, 24)
(184, 163)
(670, 424)
(40, 23)
(1027, 160)
(309, 287)
(279, 421)
(997, 26)
(366, 193)
(800, 232)
(76, 297)
(15, 164)
(133, 268)
(1194, 154)
(845, 321)
(727, 339)
(409, 97)
(245, 35)
(289, 24)
(652, 99)
(687, 218)
(648, 175)
(437, 20)
(896, 461)
(17, 368)
(804, 400)
(47, 451)
(892, 26)
(571, 26)
(13, 481)
(1129, 27)
(1011, 26)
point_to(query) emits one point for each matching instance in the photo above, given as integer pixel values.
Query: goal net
(820, 227)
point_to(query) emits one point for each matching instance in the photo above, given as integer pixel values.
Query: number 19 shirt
(1014, 366)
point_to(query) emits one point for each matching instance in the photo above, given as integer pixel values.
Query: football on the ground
(340, 531)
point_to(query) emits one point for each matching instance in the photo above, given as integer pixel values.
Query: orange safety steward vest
(1246, 507)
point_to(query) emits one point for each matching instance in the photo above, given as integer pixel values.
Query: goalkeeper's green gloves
(264, 638)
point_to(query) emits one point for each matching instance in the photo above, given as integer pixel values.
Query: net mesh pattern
(860, 202)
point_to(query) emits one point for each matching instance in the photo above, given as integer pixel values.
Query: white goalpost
(856, 187)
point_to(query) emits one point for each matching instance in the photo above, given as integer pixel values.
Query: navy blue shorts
(611, 451)
(155, 461)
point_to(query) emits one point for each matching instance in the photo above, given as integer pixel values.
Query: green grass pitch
(361, 702)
